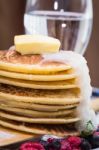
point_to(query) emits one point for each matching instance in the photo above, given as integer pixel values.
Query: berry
(56, 144)
(96, 133)
(85, 145)
(50, 140)
(97, 130)
(31, 146)
(89, 138)
(95, 140)
(74, 141)
(44, 143)
(65, 145)
(76, 149)
(51, 144)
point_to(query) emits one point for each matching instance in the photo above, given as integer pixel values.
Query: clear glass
(68, 20)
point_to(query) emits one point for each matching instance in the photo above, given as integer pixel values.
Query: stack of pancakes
(38, 96)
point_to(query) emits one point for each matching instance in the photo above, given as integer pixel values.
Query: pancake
(64, 75)
(58, 130)
(66, 84)
(38, 114)
(64, 120)
(11, 60)
(38, 107)
(57, 97)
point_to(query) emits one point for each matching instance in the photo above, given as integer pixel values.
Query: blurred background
(11, 23)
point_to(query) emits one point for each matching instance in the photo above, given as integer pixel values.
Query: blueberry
(48, 146)
(95, 140)
(45, 144)
(55, 144)
(85, 145)
(89, 138)
(97, 130)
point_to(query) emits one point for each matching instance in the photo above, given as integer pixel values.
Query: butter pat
(36, 44)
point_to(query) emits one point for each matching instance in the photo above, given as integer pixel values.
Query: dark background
(92, 53)
(11, 19)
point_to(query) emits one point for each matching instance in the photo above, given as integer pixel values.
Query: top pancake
(10, 60)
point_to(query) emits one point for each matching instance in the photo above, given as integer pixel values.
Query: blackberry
(97, 130)
(95, 140)
(54, 144)
(85, 145)
(44, 143)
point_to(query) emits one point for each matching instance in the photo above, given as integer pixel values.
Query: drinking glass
(68, 20)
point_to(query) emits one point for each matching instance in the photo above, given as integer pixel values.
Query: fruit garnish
(65, 145)
(85, 145)
(97, 129)
(32, 146)
(50, 140)
(46, 137)
(36, 44)
(51, 144)
(95, 140)
(74, 141)
(89, 129)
